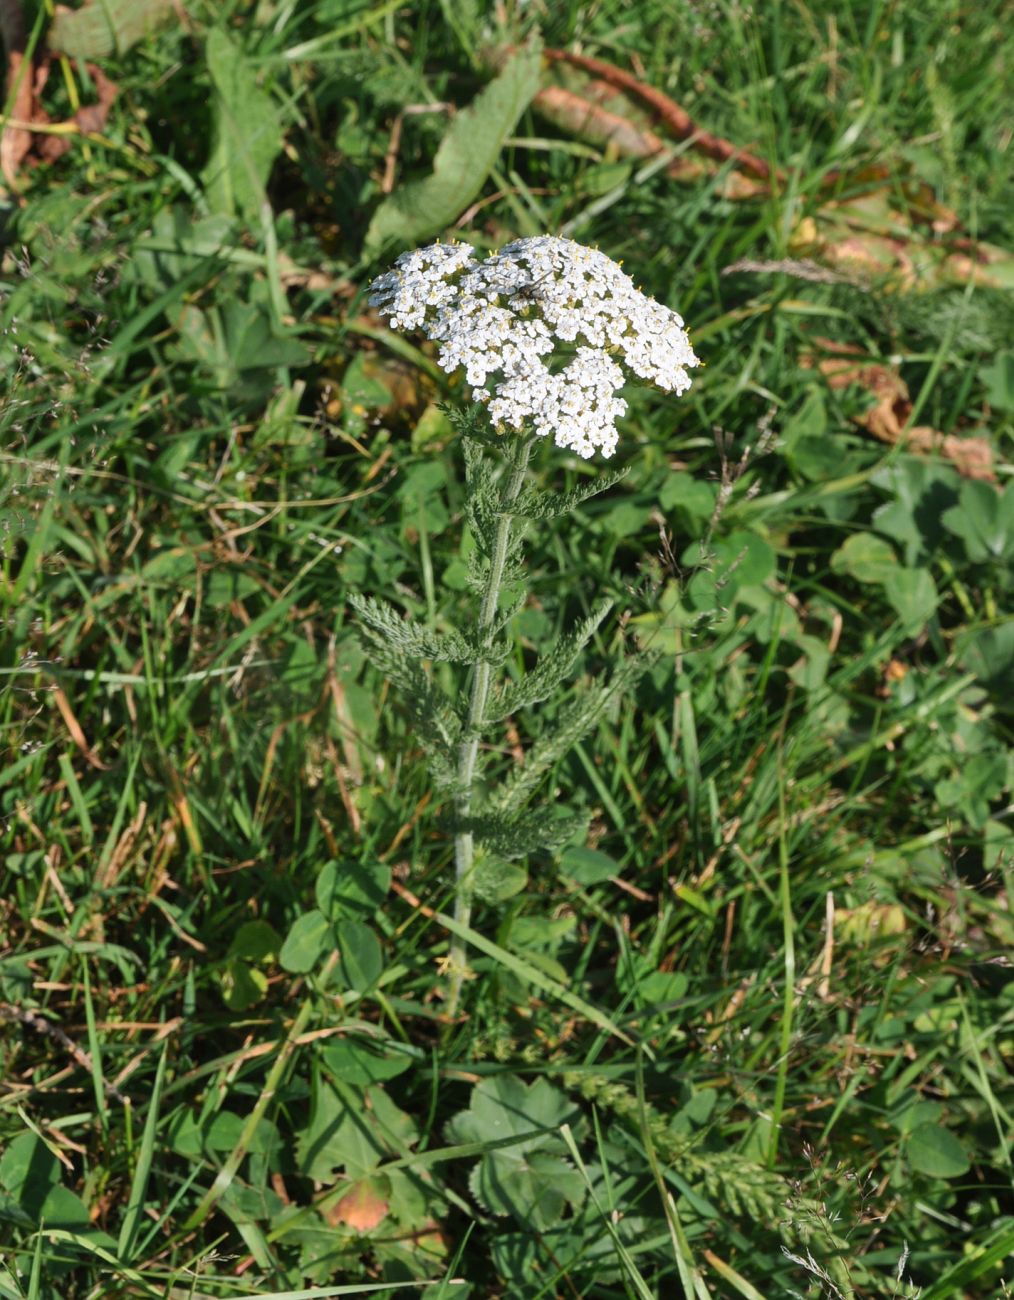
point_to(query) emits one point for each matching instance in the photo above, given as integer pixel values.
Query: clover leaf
(984, 520)
(527, 1179)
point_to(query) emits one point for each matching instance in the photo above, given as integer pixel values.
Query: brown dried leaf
(615, 110)
(674, 118)
(871, 237)
(89, 120)
(582, 117)
(24, 139)
(591, 121)
(887, 417)
(15, 141)
(74, 728)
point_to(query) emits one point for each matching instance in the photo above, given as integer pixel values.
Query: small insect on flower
(532, 291)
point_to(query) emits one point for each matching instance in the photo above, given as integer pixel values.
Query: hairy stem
(468, 750)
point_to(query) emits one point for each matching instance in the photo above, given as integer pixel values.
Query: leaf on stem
(418, 641)
(547, 674)
(574, 723)
(516, 835)
(534, 504)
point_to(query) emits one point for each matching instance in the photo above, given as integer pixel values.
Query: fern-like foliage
(534, 504)
(549, 672)
(575, 721)
(516, 835)
(471, 424)
(739, 1184)
(437, 723)
(421, 642)
(400, 648)
(483, 503)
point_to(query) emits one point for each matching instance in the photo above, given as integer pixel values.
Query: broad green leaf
(176, 565)
(744, 560)
(935, 1151)
(917, 1114)
(28, 1170)
(587, 866)
(252, 341)
(975, 784)
(467, 154)
(360, 387)
(431, 428)
(999, 380)
(246, 130)
(688, 500)
(63, 1208)
(185, 1136)
(732, 563)
(324, 1142)
(361, 959)
(984, 520)
(700, 1106)
(255, 940)
(226, 1129)
(30, 1174)
(244, 1204)
(358, 1062)
(810, 670)
(494, 880)
(865, 557)
(639, 976)
(505, 1106)
(582, 1240)
(989, 653)
(352, 1131)
(352, 889)
(662, 986)
(310, 937)
(807, 447)
(997, 845)
(178, 243)
(624, 519)
(302, 667)
(535, 1189)
(527, 1179)
(921, 491)
(912, 594)
(243, 986)
(103, 27)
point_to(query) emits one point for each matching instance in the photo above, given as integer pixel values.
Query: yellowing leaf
(364, 1206)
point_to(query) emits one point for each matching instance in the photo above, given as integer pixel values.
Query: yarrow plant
(546, 332)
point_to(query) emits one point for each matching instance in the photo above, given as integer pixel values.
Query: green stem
(249, 1131)
(468, 750)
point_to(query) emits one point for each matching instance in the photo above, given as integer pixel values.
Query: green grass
(671, 1078)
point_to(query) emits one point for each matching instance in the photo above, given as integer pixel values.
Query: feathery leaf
(547, 674)
(535, 504)
(574, 723)
(511, 835)
(420, 642)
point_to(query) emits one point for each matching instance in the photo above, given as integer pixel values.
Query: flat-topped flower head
(544, 331)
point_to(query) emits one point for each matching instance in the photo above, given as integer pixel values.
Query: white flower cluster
(539, 329)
